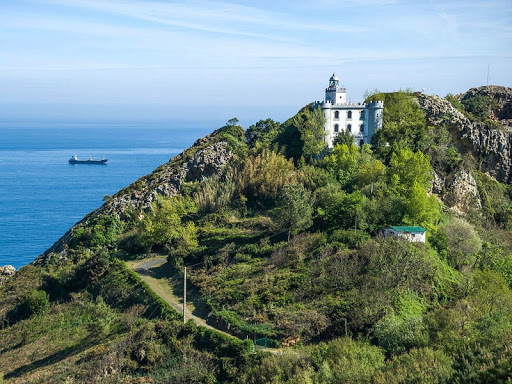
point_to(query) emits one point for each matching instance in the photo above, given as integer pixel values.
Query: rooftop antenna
(488, 69)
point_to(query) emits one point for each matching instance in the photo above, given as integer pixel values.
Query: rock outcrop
(490, 143)
(6, 272)
(205, 158)
(501, 106)
(458, 191)
(168, 178)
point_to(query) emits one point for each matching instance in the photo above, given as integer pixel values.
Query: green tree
(310, 124)
(231, 122)
(344, 137)
(342, 162)
(295, 208)
(463, 243)
(421, 209)
(162, 225)
(407, 167)
(264, 132)
(403, 127)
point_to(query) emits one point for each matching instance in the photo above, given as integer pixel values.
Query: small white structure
(413, 234)
(360, 119)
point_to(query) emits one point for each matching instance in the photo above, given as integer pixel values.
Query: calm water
(41, 195)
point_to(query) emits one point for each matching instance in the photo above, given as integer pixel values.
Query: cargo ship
(76, 160)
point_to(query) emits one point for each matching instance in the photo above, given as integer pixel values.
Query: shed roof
(409, 229)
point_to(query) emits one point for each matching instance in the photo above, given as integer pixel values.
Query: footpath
(150, 270)
(154, 272)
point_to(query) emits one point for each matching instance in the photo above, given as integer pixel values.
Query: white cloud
(211, 16)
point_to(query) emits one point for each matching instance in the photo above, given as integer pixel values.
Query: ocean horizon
(42, 195)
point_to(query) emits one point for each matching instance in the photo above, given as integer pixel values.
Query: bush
(478, 105)
(350, 237)
(36, 302)
(422, 365)
(99, 232)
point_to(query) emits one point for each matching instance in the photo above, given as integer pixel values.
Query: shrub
(265, 174)
(36, 302)
(100, 231)
(463, 242)
(101, 320)
(422, 365)
(350, 237)
(163, 224)
(478, 105)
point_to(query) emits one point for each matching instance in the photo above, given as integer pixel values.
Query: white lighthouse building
(360, 119)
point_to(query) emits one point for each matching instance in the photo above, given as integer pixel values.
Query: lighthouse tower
(334, 94)
(361, 120)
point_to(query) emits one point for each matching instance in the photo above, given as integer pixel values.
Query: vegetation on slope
(282, 244)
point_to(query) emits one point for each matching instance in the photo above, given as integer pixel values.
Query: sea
(42, 195)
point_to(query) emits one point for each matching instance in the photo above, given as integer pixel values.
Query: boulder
(7, 270)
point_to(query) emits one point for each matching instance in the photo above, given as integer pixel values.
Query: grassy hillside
(280, 242)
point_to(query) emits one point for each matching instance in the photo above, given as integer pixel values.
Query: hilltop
(280, 236)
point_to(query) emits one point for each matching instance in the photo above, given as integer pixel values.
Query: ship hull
(73, 161)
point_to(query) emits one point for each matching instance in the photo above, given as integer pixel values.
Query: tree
(231, 122)
(344, 137)
(463, 242)
(163, 225)
(421, 208)
(404, 124)
(310, 124)
(295, 208)
(407, 167)
(342, 161)
(36, 302)
(264, 132)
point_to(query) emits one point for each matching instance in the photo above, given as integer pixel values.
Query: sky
(137, 59)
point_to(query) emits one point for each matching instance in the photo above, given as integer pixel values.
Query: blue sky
(200, 59)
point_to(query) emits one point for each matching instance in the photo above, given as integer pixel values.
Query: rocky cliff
(489, 142)
(205, 158)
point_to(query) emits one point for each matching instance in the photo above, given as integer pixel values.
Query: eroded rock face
(461, 193)
(501, 109)
(458, 191)
(492, 144)
(167, 179)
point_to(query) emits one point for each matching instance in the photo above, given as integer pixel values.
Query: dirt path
(147, 269)
(154, 273)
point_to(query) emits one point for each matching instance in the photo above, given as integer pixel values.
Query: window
(349, 128)
(361, 128)
(349, 114)
(336, 128)
(361, 142)
(362, 115)
(337, 115)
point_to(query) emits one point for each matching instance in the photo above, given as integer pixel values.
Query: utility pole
(185, 295)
